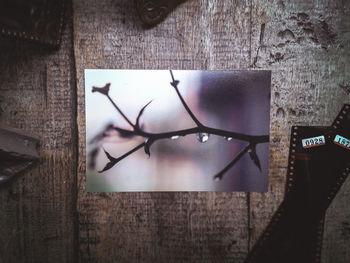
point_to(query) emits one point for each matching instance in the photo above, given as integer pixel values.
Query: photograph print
(177, 130)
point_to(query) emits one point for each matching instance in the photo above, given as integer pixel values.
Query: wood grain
(38, 207)
(306, 47)
(305, 43)
(159, 227)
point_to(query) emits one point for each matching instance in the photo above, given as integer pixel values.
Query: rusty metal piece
(40, 21)
(152, 12)
(17, 152)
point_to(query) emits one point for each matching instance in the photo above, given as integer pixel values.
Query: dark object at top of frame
(152, 12)
(39, 21)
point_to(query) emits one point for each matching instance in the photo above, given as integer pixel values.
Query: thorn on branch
(147, 147)
(113, 161)
(174, 83)
(104, 90)
(254, 156)
(137, 125)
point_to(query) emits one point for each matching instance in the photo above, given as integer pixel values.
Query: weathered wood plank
(38, 207)
(159, 227)
(305, 45)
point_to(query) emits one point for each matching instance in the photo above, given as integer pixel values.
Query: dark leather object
(152, 12)
(315, 175)
(40, 21)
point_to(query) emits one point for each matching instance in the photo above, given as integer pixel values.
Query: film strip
(319, 162)
(39, 21)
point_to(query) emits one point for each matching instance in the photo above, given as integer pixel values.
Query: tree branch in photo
(174, 83)
(113, 161)
(105, 91)
(202, 132)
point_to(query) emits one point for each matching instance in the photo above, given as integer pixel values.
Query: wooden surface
(46, 214)
(159, 227)
(38, 208)
(307, 48)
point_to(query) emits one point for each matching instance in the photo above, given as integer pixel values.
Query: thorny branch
(150, 137)
(174, 84)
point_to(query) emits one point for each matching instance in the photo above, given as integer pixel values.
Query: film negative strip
(319, 162)
(39, 21)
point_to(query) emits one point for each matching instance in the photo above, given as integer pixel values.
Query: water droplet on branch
(175, 137)
(202, 137)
